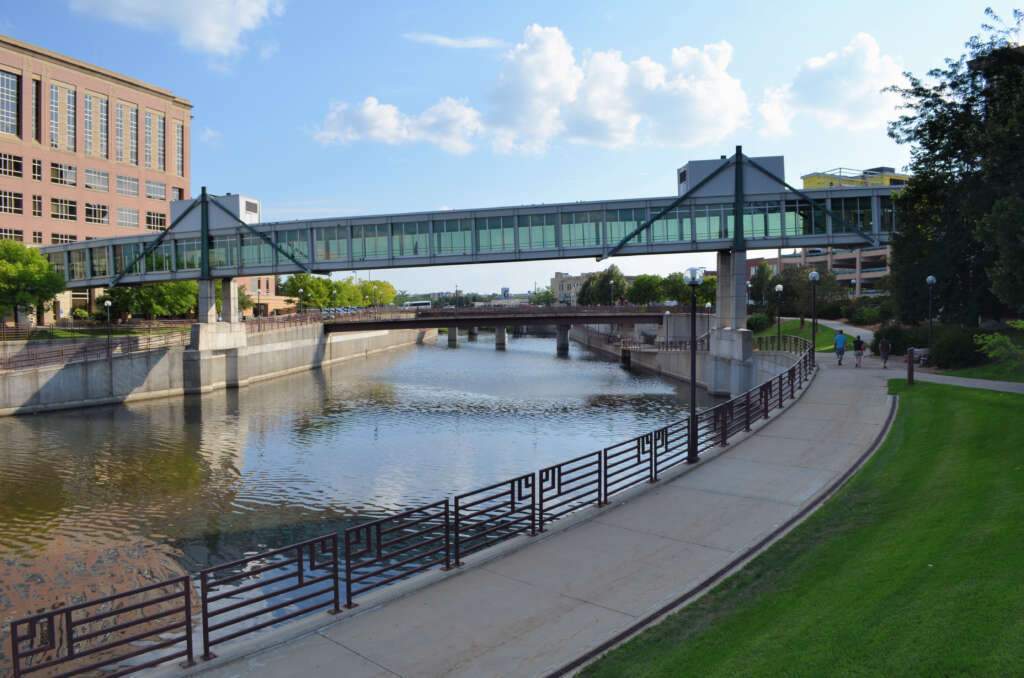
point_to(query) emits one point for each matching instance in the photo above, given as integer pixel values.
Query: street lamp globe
(930, 280)
(778, 288)
(814, 276)
(107, 303)
(693, 277)
(707, 305)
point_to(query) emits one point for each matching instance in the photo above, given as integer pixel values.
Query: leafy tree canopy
(26, 278)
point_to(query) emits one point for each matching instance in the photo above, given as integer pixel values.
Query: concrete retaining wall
(176, 371)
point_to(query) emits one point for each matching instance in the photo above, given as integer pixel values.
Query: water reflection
(215, 477)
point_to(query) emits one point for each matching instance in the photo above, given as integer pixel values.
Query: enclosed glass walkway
(862, 216)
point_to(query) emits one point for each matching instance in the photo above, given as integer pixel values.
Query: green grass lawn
(65, 333)
(996, 371)
(914, 568)
(792, 327)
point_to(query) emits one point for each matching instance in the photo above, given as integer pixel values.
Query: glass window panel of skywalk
(255, 251)
(224, 251)
(800, 219)
(296, 243)
(76, 264)
(887, 214)
(98, 262)
(410, 239)
(453, 236)
(57, 261)
(708, 222)
(188, 253)
(854, 213)
(161, 258)
(621, 223)
(537, 231)
(331, 243)
(496, 234)
(582, 229)
(369, 241)
(668, 228)
(124, 255)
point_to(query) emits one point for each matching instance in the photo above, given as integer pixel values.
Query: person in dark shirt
(884, 349)
(858, 350)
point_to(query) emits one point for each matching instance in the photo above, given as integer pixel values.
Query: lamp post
(750, 290)
(300, 300)
(106, 303)
(778, 317)
(707, 313)
(693, 277)
(931, 285)
(814, 277)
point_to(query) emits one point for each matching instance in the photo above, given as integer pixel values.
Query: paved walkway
(536, 609)
(851, 330)
(988, 384)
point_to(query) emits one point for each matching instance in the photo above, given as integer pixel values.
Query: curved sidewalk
(540, 607)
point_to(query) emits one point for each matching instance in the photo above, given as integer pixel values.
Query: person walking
(884, 348)
(840, 345)
(858, 351)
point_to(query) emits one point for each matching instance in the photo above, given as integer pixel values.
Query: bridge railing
(100, 348)
(635, 346)
(270, 588)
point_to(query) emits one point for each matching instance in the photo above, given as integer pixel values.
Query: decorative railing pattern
(253, 593)
(100, 348)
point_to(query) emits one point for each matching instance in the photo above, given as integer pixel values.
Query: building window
(54, 117)
(37, 95)
(62, 238)
(156, 221)
(104, 121)
(37, 205)
(63, 174)
(37, 170)
(87, 113)
(10, 102)
(156, 190)
(10, 165)
(70, 130)
(161, 138)
(96, 213)
(37, 237)
(133, 135)
(179, 148)
(10, 202)
(177, 193)
(119, 132)
(148, 140)
(127, 186)
(66, 210)
(128, 216)
(97, 180)
(12, 234)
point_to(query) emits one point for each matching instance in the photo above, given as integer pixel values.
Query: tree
(646, 289)
(544, 297)
(761, 285)
(346, 293)
(708, 290)
(155, 300)
(316, 290)
(377, 292)
(959, 219)
(26, 277)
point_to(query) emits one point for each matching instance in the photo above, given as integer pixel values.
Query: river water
(212, 478)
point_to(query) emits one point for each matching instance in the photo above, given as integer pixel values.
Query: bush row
(952, 347)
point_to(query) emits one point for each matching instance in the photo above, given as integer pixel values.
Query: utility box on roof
(244, 208)
(724, 184)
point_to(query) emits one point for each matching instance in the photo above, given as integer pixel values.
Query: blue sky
(335, 108)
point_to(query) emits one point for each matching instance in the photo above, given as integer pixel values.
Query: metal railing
(274, 574)
(635, 346)
(253, 593)
(108, 632)
(254, 325)
(103, 348)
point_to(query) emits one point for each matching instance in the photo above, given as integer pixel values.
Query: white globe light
(693, 276)
(814, 276)
(778, 288)
(930, 280)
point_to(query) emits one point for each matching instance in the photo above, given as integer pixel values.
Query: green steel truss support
(151, 246)
(265, 238)
(739, 238)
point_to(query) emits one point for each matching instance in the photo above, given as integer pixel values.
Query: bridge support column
(474, 332)
(229, 309)
(453, 337)
(207, 309)
(731, 295)
(562, 343)
(499, 337)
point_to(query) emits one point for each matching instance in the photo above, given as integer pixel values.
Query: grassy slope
(65, 333)
(995, 371)
(792, 327)
(914, 568)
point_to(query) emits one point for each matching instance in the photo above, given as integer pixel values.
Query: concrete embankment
(676, 364)
(176, 371)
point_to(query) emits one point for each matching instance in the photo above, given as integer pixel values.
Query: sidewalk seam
(357, 653)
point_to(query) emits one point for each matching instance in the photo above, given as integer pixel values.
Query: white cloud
(543, 93)
(455, 43)
(209, 135)
(268, 51)
(211, 26)
(840, 90)
(449, 124)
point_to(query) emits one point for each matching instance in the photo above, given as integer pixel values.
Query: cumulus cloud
(840, 90)
(449, 124)
(455, 43)
(210, 26)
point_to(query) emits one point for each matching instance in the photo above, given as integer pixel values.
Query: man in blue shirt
(840, 343)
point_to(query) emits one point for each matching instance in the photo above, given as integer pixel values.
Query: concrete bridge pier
(207, 309)
(473, 333)
(229, 310)
(453, 337)
(499, 337)
(562, 343)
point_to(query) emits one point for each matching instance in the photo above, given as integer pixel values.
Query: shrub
(865, 315)
(758, 322)
(79, 314)
(955, 347)
(831, 311)
(901, 337)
